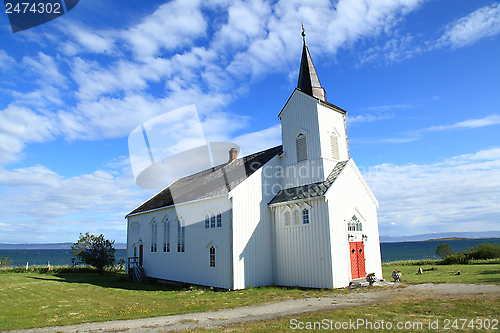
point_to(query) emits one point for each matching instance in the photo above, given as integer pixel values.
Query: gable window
(301, 146)
(296, 217)
(287, 218)
(305, 216)
(166, 236)
(212, 256)
(154, 238)
(181, 235)
(219, 220)
(212, 221)
(207, 222)
(355, 224)
(335, 146)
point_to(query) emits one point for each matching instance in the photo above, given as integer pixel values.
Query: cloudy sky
(420, 80)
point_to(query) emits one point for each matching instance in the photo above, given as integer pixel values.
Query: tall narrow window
(212, 221)
(305, 216)
(166, 236)
(301, 146)
(219, 220)
(287, 218)
(154, 238)
(207, 222)
(212, 256)
(296, 217)
(335, 146)
(181, 235)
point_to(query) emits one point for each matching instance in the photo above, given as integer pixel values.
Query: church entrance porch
(357, 253)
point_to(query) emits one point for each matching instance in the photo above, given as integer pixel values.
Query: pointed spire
(308, 79)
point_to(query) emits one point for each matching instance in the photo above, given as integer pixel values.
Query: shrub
(457, 258)
(95, 251)
(484, 251)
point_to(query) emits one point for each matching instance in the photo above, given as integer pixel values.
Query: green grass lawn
(29, 300)
(485, 273)
(412, 315)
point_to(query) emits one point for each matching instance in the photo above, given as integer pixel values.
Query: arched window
(154, 238)
(355, 224)
(135, 251)
(166, 236)
(305, 216)
(181, 235)
(296, 217)
(301, 146)
(212, 256)
(212, 221)
(207, 221)
(287, 218)
(219, 220)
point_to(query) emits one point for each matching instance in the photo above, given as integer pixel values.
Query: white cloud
(46, 69)
(257, 141)
(86, 40)
(6, 61)
(173, 25)
(45, 203)
(467, 124)
(363, 118)
(20, 125)
(484, 22)
(460, 193)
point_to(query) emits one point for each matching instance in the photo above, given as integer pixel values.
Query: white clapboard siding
(346, 197)
(303, 251)
(192, 266)
(252, 232)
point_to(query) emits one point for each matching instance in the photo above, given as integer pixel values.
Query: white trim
(176, 205)
(211, 242)
(296, 201)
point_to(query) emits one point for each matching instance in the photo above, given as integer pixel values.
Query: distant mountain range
(51, 246)
(439, 235)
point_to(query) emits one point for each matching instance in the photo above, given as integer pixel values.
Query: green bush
(457, 258)
(484, 251)
(443, 250)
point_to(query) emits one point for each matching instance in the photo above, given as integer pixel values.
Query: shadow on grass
(110, 280)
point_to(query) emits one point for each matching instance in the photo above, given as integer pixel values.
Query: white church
(299, 214)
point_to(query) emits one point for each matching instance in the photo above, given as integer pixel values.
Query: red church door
(357, 253)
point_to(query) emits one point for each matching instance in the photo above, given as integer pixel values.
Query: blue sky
(419, 79)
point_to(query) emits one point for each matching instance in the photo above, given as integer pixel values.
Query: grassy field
(480, 273)
(412, 315)
(30, 300)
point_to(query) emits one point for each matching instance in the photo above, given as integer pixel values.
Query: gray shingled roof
(209, 183)
(310, 190)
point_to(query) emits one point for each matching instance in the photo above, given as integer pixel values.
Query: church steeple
(308, 79)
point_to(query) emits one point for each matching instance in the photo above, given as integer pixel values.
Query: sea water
(389, 252)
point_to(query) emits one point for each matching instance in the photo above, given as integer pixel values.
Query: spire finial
(303, 32)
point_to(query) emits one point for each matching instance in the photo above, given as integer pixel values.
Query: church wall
(303, 256)
(346, 197)
(300, 113)
(252, 233)
(192, 266)
(331, 121)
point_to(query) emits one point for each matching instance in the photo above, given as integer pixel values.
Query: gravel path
(219, 318)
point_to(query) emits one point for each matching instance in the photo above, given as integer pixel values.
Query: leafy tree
(484, 251)
(444, 250)
(5, 261)
(95, 251)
